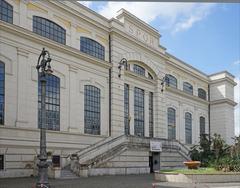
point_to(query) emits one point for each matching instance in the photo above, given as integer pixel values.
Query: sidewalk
(196, 185)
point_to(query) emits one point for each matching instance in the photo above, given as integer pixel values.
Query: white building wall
(20, 48)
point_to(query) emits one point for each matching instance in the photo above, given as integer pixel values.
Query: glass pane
(138, 111)
(49, 29)
(52, 103)
(92, 47)
(6, 11)
(92, 109)
(139, 70)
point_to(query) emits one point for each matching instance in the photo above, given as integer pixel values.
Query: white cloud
(174, 16)
(236, 62)
(237, 108)
(86, 3)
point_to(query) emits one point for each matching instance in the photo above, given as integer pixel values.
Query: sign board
(155, 146)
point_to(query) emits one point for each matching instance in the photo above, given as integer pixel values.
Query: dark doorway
(154, 161)
(151, 164)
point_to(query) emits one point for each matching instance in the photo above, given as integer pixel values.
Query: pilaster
(73, 126)
(22, 88)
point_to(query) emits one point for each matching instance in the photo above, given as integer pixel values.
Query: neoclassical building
(102, 116)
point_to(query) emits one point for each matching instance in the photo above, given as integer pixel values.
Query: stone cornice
(24, 33)
(187, 71)
(140, 43)
(226, 100)
(140, 78)
(132, 18)
(223, 79)
(186, 95)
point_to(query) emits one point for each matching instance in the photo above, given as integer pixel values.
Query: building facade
(90, 99)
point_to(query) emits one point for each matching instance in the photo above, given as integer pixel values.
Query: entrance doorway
(154, 161)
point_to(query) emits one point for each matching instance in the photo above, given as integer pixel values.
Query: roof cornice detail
(221, 101)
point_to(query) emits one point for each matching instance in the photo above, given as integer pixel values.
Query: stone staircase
(100, 158)
(66, 173)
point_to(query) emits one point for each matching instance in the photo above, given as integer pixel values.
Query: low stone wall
(113, 171)
(198, 178)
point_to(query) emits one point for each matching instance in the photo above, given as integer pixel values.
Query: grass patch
(194, 171)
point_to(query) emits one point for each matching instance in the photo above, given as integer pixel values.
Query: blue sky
(204, 35)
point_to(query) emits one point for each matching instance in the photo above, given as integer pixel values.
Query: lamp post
(43, 67)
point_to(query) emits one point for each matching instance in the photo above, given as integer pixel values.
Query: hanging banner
(155, 146)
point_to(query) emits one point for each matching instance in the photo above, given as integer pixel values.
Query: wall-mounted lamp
(124, 63)
(164, 80)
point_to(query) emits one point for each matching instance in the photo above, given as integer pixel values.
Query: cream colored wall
(20, 49)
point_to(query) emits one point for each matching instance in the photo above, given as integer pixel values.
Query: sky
(204, 35)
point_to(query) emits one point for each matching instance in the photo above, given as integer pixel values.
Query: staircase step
(67, 174)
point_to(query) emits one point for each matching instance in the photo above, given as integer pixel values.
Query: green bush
(215, 153)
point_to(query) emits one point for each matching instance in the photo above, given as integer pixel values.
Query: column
(73, 126)
(22, 98)
(131, 109)
(146, 113)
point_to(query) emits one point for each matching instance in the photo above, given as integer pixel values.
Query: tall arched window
(171, 81)
(139, 70)
(188, 88)
(52, 103)
(92, 47)
(92, 110)
(171, 123)
(2, 92)
(150, 114)
(138, 111)
(126, 109)
(202, 93)
(202, 125)
(49, 29)
(188, 128)
(6, 11)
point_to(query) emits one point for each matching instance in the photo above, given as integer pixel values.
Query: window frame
(9, 8)
(126, 109)
(94, 112)
(188, 128)
(52, 105)
(202, 94)
(171, 81)
(139, 107)
(92, 47)
(170, 124)
(200, 125)
(139, 70)
(188, 88)
(4, 80)
(58, 33)
(151, 115)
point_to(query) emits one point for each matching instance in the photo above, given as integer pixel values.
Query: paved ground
(130, 181)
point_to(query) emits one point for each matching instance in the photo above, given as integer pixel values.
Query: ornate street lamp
(43, 67)
(124, 63)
